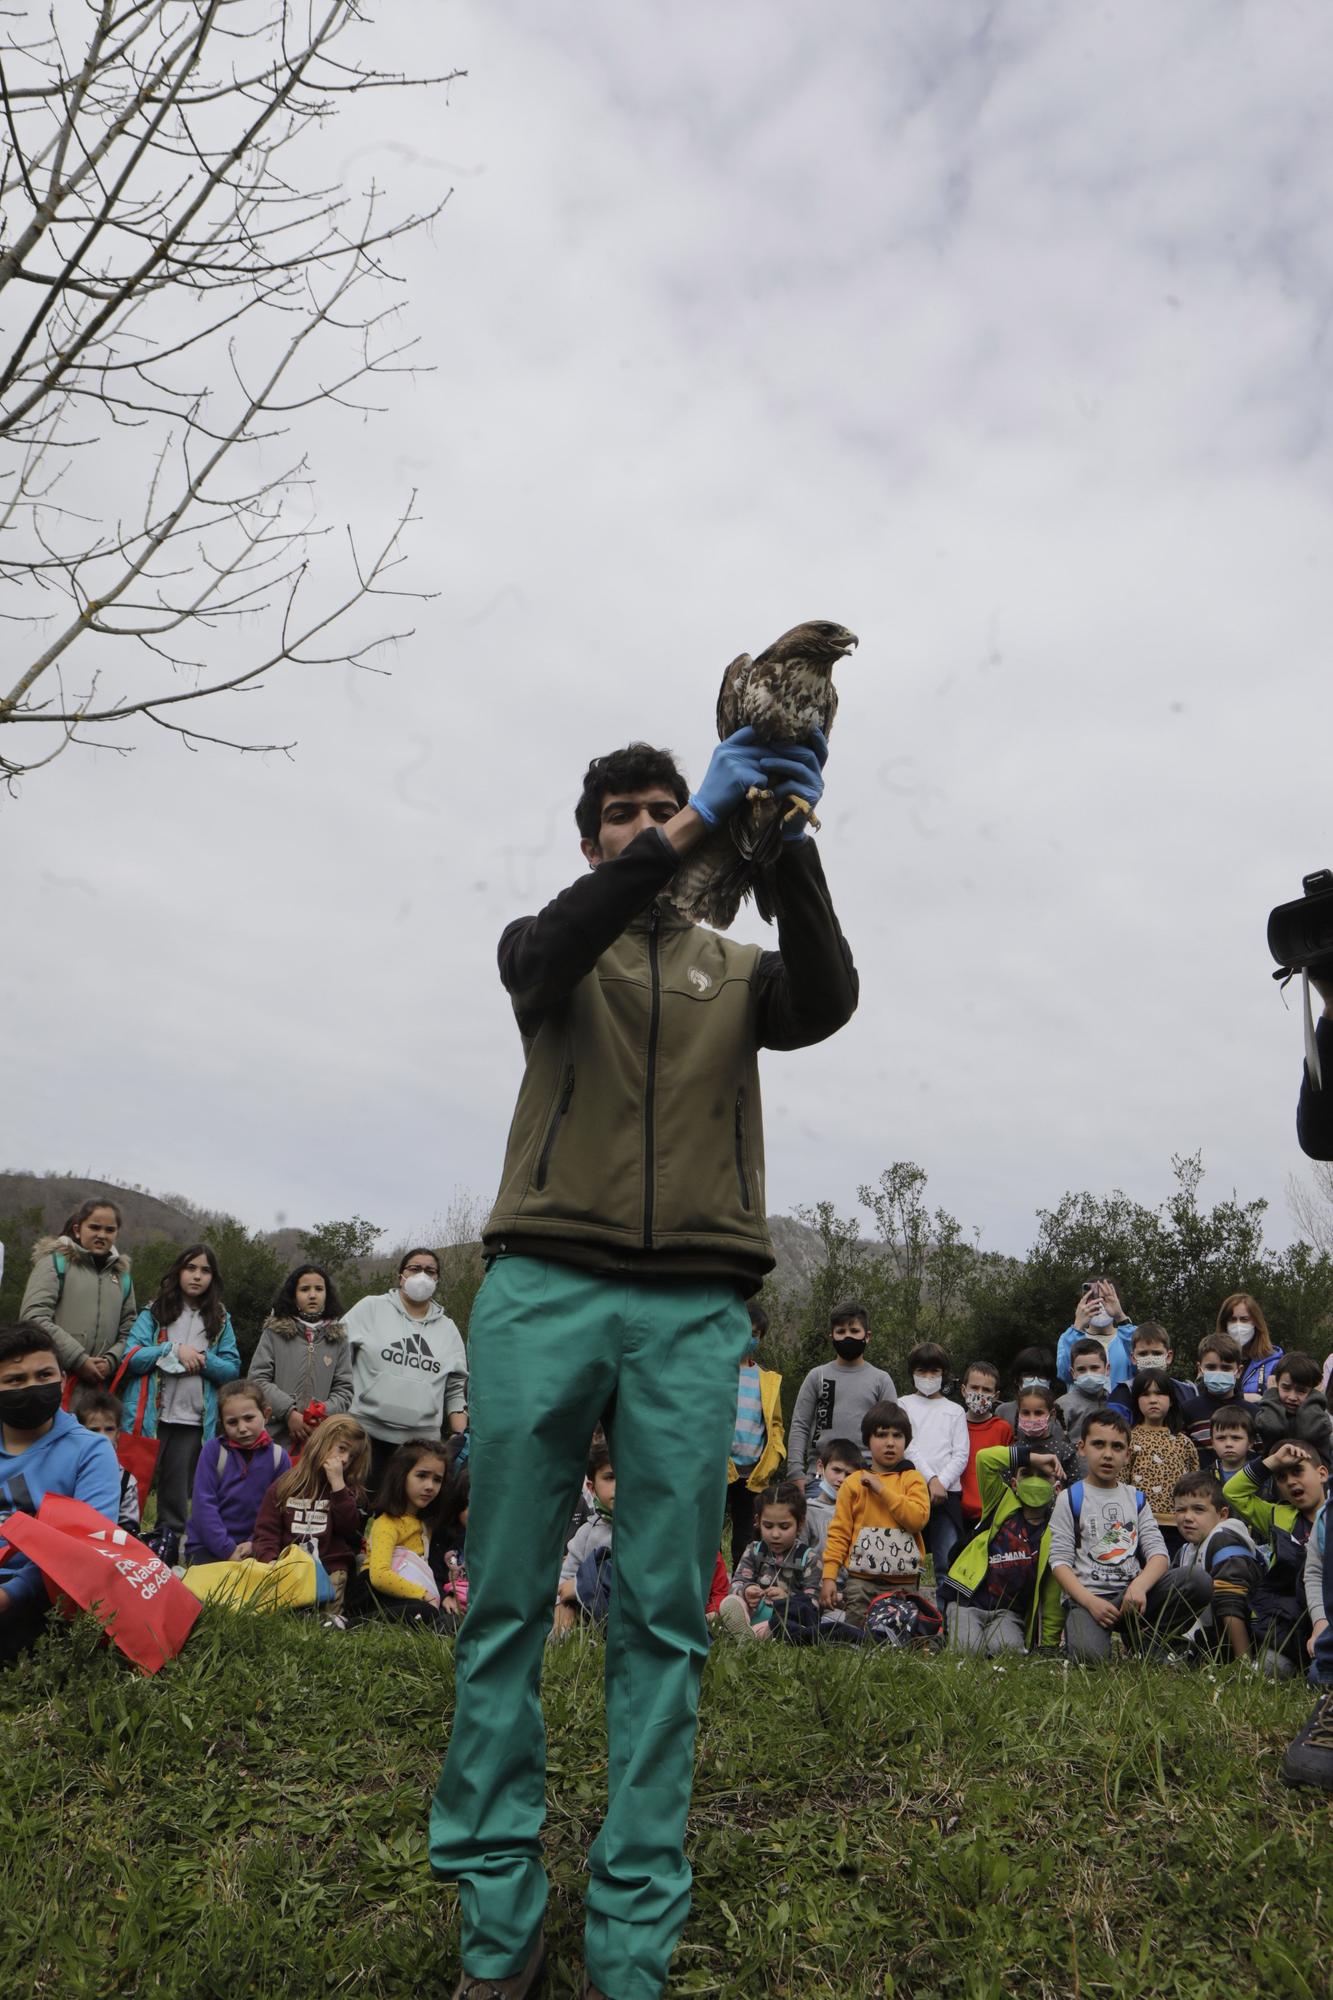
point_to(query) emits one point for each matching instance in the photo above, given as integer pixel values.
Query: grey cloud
(1000, 335)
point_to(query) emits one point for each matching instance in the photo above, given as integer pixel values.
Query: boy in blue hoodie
(42, 1450)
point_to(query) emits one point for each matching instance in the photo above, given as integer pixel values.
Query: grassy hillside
(252, 1821)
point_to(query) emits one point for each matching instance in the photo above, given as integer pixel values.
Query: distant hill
(798, 1250)
(149, 1217)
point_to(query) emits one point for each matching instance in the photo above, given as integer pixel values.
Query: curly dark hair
(632, 769)
(284, 1304)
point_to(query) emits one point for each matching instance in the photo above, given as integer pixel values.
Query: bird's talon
(796, 805)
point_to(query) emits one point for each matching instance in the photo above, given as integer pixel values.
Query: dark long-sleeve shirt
(1314, 1108)
(804, 991)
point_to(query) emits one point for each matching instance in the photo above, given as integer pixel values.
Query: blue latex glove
(796, 770)
(734, 766)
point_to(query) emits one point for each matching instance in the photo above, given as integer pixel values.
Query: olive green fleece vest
(638, 1131)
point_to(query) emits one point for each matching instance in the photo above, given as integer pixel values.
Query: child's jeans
(1174, 1602)
(179, 1446)
(1321, 1666)
(987, 1629)
(943, 1532)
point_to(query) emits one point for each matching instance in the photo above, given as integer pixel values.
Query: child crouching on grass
(234, 1473)
(396, 1564)
(1002, 1597)
(317, 1506)
(1217, 1545)
(772, 1586)
(1109, 1558)
(876, 1530)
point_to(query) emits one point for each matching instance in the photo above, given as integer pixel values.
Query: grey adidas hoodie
(407, 1374)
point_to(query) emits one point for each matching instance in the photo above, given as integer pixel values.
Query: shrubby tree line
(924, 1279)
(917, 1270)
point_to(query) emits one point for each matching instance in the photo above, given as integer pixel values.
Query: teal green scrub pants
(552, 1351)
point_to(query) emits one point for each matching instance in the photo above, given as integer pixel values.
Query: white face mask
(927, 1385)
(1092, 1385)
(1101, 1317)
(1241, 1331)
(1149, 1361)
(419, 1286)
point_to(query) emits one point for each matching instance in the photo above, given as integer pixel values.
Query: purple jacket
(226, 1501)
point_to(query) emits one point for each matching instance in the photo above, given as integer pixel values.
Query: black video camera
(1300, 934)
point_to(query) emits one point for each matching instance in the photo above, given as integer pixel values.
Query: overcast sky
(1001, 334)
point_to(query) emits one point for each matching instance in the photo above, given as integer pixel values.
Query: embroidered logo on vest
(702, 980)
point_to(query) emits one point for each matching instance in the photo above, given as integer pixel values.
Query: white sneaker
(733, 1614)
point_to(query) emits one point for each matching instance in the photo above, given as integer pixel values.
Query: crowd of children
(1181, 1515)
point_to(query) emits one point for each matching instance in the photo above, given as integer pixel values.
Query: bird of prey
(782, 695)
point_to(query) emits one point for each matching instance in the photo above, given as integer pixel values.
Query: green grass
(252, 1821)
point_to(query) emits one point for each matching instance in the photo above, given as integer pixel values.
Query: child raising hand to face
(317, 1504)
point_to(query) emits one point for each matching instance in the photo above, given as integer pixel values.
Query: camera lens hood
(1300, 934)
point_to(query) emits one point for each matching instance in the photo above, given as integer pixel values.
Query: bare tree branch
(154, 168)
(1311, 1205)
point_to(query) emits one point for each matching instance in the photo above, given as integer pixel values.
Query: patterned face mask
(979, 1402)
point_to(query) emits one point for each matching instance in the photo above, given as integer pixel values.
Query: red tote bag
(137, 1453)
(89, 1563)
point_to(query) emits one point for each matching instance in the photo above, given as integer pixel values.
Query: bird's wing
(729, 716)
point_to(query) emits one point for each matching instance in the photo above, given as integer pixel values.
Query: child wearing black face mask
(832, 1400)
(43, 1449)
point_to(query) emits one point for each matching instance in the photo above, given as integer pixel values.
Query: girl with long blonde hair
(317, 1506)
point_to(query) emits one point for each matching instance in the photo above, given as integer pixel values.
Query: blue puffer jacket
(146, 1346)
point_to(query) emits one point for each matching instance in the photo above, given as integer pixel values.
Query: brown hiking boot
(517, 1987)
(1309, 1758)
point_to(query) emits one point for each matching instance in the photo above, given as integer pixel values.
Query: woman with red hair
(1243, 1318)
